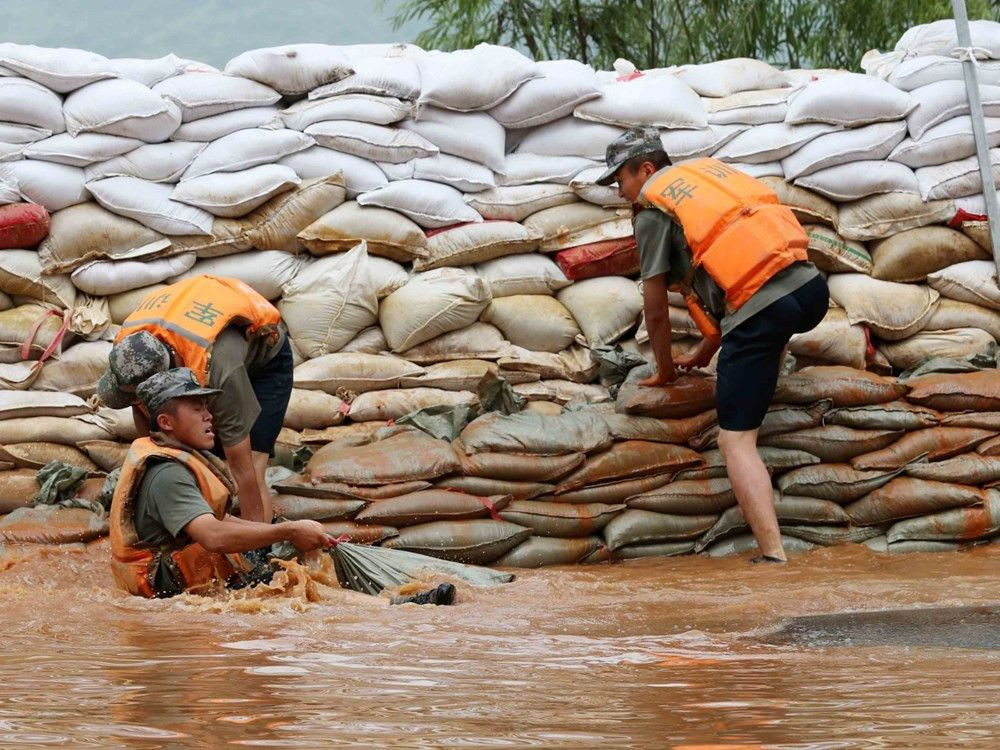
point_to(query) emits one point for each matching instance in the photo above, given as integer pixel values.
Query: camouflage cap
(633, 142)
(161, 387)
(131, 361)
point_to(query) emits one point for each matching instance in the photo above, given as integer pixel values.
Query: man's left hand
(693, 360)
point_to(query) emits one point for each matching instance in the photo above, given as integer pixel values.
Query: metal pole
(978, 125)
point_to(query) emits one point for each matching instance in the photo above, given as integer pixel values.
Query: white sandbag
(360, 175)
(121, 107)
(911, 255)
(748, 107)
(585, 186)
(473, 79)
(974, 281)
(890, 213)
(944, 100)
(522, 274)
(292, 68)
(808, 207)
(77, 369)
(329, 302)
(235, 194)
(397, 77)
(952, 140)
(380, 406)
(870, 142)
(941, 38)
(378, 110)
(8, 192)
(920, 71)
(11, 151)
(835, 341)
(123, 304)
(833, 253)
(156, 162)
(81, 151)
(62, 69)
(147, 72)
(150, 204)
(247, 148)
(561, 222)
(265, 271)
(526, 169)
(431, 304)
(726, 77)
(474, 136)
(476, 341)
(213, 128)
(205, 94)
(957, 343)
(848, 99)
(55, 186)
(569, 137)
(105, 277)
(461, 174)
(21, 276)
(517, 202)
(536, 322)
(89, 232)
(766, 169)
(387, 275)
(475, 243)
(371, 142)
(694, 144)
(429, 204)
(14, 134)
(28, 103)
(387, 233)
(661, 101)
(771, 142)
(893, 311)
(564, 85)
(951, 313)
(371, 340)
(356, 372)
(850, 182)
(955, 179)
(576, 364)
(605, 308)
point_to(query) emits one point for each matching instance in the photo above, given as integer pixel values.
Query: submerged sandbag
(50, 524)
(654, 549)
(833, 443)
(793, 510)
(840, 483)
(431, 505)
(402, 457)
(845, 386)
(934, 442)
(643, 526)
(540, 551)
(628, 459)
(959, 524)
(747, 543)
(519, 466)
(895, 415)
(571, 432)
(560, 519)
(297, 507)
(478, 542)
(974, 391)
(688, 497)
(829, 536)
(904, 497)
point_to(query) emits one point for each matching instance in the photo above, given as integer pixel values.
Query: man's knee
(731, 441)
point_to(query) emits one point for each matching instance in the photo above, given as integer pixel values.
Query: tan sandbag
(835, 341)
(829, 536)
(392, 404)
(967, 391)
(605, 307)
(612, 492)
(18, 488)
(913, 254)
(935, 443)
(978, 232)
(313, 410)
(542, 551)
(957, 343)
(477, 243)
(35, 455)
(522, 467)
(905, 497)
(776, 461)
(17, 404)
(576, 363)
(369, 341)
(388, 234)
(954, 314)
(560, 519)
(120, 423)
(299, 485)
(563, 392)
(973, 281)
(274, 225)
(894, 415)
(833, 443)
(892, 310)
(536, 322)
(570, 432)
(21, 276)
(679, 431)
(656, 549)
(885, 215)
(845, 386)
(354, 433)
(628, 459)
(50, 524)
(840, 483)
(77, 370)
(831, 253)
(486, 487)
(989, 447)
(477, 341)
(959, 524)
(461, 375)
(477, 542)
(747, 543)
(545, 408)
(984, 420)
(353, 372)
(401, 458)
(359, 533)
(431, 505)
(685, 397)
(808, 207)
(687, 497)
(64, 430)
(643, 527)
(297, 507)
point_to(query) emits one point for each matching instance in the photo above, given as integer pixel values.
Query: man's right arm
(657, 310)
(232, 535)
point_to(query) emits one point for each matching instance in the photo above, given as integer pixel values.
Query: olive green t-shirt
(663, 249)
(167, 501)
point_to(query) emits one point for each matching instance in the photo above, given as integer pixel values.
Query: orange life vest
(133, 564)
(190, 315)
(736, 228)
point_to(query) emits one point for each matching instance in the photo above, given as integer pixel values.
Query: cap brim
(111, 395)
(200, 392)
(610, 175)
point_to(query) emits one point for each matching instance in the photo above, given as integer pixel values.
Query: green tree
(654, 33)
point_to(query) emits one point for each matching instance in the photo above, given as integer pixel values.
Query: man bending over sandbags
(721, 238)
(234, 341)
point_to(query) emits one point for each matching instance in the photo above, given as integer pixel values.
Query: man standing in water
(720, 237)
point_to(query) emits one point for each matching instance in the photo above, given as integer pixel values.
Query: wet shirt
(663, 249)
(167, 501)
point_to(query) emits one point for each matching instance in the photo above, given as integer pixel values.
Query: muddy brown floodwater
(664, 653)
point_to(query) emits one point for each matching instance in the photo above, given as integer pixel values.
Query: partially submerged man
(721, 238)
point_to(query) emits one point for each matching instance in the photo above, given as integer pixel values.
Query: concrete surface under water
(664, 653)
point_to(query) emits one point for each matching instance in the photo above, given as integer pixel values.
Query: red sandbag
(618, 257)
(23, 225)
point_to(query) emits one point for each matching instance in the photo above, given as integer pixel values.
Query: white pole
(978, 125)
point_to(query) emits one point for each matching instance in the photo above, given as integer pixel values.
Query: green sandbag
(746, 543)
(657, 549)
(560, 519)
(540, 551)
(478, 542)
(644, 527)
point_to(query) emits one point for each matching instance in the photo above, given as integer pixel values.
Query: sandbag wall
(423, 218)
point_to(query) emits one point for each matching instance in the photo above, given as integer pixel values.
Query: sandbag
(49, 524)
(313, 409)
(28, 103)
(150, 204)
(297, 508)
(780, 418)
(904, 497)
(973, 281)
(542, 551)
(831, 149)
(476, 341)
(833, 254)
(967, 391)
(123, 108)
(833, 443)
(685, 397)
(519, 467)
(893, 311)
(23, 225)
(365, 140)
(576, 364)
(477, 542)
(536, 322)
(835, 341)
(949, 141)
(605, 308)
(522, 274)
(849, 99)
(560, 519)
(959, 524)
(985, 420)
(829, 536)
(563, 85)
(461, 174)
(236, 193)
(211, 128)
(808, 207)
(957, 343)
(21, 276)
(643, 527)
(792, 510)
(689, 497)
(156, 162)
(935, 443)
(107, 454)
(630, 427)
(18, 488)
(292, 69)
(572, 432)
(612, 492)
(915, 253)
(776, 461)
(35, 455)
(460, 375)
(476, 243)
(267, 272)
(970, 468)
(454, 80)
(569, 136)
(895, 415)
(403, 457)
(359, 175)
(354, 372)
(661, 101)
(628, 459)
(486, 487)
(517, 202)
(376, 76)
(880, 216)
(956, 179)
(473, 136)
(747, 543)
(54, 186)
(954, 314)
(656, 549)
(378, 110)
(203, 94)
(393, 404)
(845, 386)
(16, 327)
(775, 141)
(430, 505)
(102, 278)
(860, 179)
(387, 233)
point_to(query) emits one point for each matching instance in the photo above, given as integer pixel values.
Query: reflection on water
(657, 653)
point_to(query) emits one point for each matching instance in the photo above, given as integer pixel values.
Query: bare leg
(259, 465)
(752, 487)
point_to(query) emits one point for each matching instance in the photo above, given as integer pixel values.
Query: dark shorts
(272, 384)
(750, 359)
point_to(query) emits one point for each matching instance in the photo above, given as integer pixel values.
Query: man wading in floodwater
(720, 237)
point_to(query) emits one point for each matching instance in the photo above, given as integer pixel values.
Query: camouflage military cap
(633, 142)
(161, 387)
(131, 361)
